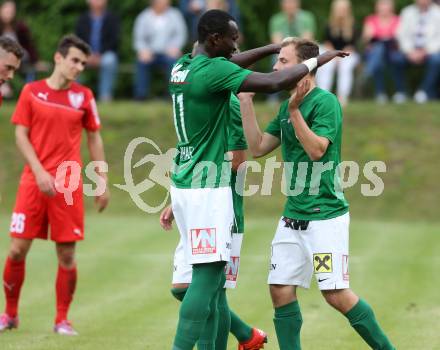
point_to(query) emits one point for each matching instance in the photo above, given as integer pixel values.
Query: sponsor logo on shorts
(322, 262)
(272, 267)
(345, 274)
(203, 241)
(77, 232)
(231, 269)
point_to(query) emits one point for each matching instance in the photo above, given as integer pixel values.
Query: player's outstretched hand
(46, 183)
(301, 91)
(102, 200)
(166, 218)
(330, 55)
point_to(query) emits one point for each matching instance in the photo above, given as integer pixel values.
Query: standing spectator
(159, 35)
(379, 35)
(340, 34)
(193, 9)
(100, 29)
(418, 36)
(292, 21)
(17, 30)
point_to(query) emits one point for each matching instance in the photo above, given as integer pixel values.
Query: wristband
(311, 63)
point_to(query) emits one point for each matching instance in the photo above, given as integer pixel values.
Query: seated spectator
(419, 40)
(17, 30)
(379, 35)
(340, 34)
(292, 21)
(193, 9)
(159, 35)
(100, 29)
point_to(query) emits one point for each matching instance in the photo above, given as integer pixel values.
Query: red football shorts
(35, 212)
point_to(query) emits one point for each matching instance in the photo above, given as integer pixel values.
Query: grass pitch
(123, 299)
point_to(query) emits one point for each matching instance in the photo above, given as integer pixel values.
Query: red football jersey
(55, 119)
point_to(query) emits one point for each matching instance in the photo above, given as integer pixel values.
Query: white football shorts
(321, 249)
(204, 217)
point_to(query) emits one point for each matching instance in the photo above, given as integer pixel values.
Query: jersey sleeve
(224, 75)
(274, 127)
(325, 124)
(23, 110)
(91, 120)
(236, 138)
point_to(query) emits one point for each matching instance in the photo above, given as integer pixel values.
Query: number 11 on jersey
(179, 118)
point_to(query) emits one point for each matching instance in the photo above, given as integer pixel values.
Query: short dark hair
(72, 40)
(213, 21)
(12, 46)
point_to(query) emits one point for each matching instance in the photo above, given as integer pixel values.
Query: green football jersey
(201, 89)
(314, 189)
(236, 142)
(236, 138)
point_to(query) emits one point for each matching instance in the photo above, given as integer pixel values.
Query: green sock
(362, 319)
(224, 325)
(179, 293)
(196, 307)
(288, 321)
(209, 333)
(239, 329)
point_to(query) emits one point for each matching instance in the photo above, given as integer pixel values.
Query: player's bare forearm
(248, 58)
(287, 78)
(95, 146)
(314, 145)
(45, 181)
(275, 81)
(26, 149)
(96, 150)
(259, 143)
(250, 126)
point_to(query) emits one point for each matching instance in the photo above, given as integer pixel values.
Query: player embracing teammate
(201, 196)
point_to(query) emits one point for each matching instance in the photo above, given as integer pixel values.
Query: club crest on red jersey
(76, 99)
(203, 241)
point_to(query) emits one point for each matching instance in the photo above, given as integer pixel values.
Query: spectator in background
(100, 29)
(340, 34)
(379, 34)
(292, 21)
(159, 35)
(193, 9)
(419, 41)
(17, 30)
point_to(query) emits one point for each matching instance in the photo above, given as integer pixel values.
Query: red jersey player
(49, 119)
(11, 54)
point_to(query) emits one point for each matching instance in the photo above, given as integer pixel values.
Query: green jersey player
(248, 337)
(201, 197)
(312, 235)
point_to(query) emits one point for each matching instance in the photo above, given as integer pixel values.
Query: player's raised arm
(314, 145)
(288, 78)
(247, 58)
(259, 143)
